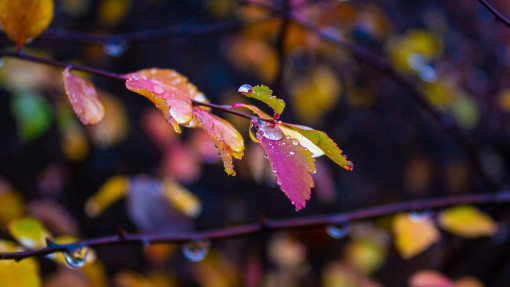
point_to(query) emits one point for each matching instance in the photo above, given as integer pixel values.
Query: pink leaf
(291, 163)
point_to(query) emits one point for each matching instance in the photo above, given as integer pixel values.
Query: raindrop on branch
(195, 251)
(76, 257)
(115, 47)
(338, 231)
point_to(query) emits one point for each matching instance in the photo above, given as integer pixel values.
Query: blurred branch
(381, 65)
(50, 62)
(156, 34)
(496, 13)
(269, 225)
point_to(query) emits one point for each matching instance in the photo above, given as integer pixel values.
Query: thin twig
(496, 13)
(271, 225)
(385, 68)
(50, 62)
(149, 36)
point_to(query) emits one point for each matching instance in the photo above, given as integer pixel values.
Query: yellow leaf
(29, 232)
(181, 198)
(23, 273)
(22, 20)
(12, 205)
(111, 191)
(113, 11)
(365, 254)
(467, 221)
(413, 235)
(315, 95)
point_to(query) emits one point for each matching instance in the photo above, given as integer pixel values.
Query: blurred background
(51, 167)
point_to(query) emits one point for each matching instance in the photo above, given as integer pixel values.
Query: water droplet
(313, 171)
(295, 142)
(254, 129)
(196, 251)
(338, 231)
(76, 257)
(273, 133)
(115, 48)
(420, 216)
(292, 152)
(266, 156)
(351, 166)
(245, 89)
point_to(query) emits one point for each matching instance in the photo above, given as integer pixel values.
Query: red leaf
(83, 97)
(225, 136)
(291, 163)
(169, 91)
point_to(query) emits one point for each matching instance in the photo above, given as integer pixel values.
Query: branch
(496, 13)
(50, 62)
(381, 65)
(271, 225)
(156, 34)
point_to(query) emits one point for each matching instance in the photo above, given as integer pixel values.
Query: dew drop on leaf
(295, 142)
(115, 48)
(292, 152)
(273, 134)
(245, 89)
(76, 257)
(338, 231)
(195, 251)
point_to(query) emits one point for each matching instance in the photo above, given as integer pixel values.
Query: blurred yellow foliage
(405, 48)
(365, 254)
(29, 232)
(181, 198)
(111, 191)
(467, 221)
(23, 20)
(413, 234)
(111, 12)
(12, 205)
(23, 273)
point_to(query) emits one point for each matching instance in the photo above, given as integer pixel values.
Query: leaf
(225, 136)
(365, 254)
(291, 163)
(12, 205)
(29, 232)
(83, 97)
(33, 114)
(169, 91)
(181, 198)
(323, 142)
(263, 94)
(111, 191)
(413, 235)
(467, 221)
(23, 273)
(426, 278)
(22, 20)
(468, 281)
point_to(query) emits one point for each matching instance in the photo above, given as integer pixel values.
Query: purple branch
(496, 13)
(271, 225)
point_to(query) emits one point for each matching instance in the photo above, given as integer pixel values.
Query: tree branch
(154, 35)
(385, 68)
(270, 225)
(496, 13)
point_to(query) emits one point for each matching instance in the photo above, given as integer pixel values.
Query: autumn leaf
(291, 163)
(323, 142)
(413, 235)
(169, 91)
(263, 94)
(181, 198)
(467, 221)
(24, 273)
(426, 278)
(225, 136)
(29, 232)
(111, 191)
(83, 97)
(23, 20)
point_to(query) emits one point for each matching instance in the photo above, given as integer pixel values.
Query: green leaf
(33, 114)
(326, 144)
(263, 94)
(29, 232)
